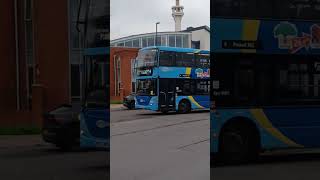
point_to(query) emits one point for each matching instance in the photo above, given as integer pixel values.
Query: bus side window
(203, 87)
(202, 61)
(184, 59)
(167, 58)
(186, 87)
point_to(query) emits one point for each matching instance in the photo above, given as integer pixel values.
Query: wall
(203, 36)
(51, 56)
(7, 54)
(51, 50)
(125, 55)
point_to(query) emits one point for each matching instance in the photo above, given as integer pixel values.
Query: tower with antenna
(177, 14)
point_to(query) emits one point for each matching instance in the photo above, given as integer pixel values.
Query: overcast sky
(129, 17)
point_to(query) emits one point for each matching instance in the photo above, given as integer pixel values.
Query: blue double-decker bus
(95, 116)
(265, 77)
(172, 79)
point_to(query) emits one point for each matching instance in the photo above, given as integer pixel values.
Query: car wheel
(131, 105)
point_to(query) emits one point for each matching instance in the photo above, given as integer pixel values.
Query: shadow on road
(275, 159)
(38, 151)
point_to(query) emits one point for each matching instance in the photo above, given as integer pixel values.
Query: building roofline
(177, 49)
(190, 29)
(145, 34)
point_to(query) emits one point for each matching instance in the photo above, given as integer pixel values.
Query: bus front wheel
(184, 107)
(237, 145)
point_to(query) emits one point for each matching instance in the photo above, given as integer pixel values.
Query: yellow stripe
(250, 33)
(263, 120)
(195, 102)
(188, 72)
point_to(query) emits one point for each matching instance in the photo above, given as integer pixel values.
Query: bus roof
(97, 51)
(177, 49)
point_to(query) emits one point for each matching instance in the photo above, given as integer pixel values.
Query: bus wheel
(184, 107)
(235, 145)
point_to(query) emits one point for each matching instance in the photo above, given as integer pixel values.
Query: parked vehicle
(129, 101)
(61, 126)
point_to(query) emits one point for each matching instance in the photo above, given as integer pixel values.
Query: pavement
(146, 145)
(28, 157)
(117, 107)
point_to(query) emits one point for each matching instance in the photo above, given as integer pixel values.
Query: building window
(178, 41)
(76, 48)
(172, 40)
(158, 40)
(196, 44)
(133, 76)
(164, 40)
(186, 41)
(144, 42)
(151, 41)
(136, 43)
(118, 76)
(29, 55)
(75, 81)
(128, 44)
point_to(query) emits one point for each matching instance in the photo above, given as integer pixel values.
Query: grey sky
(129, 17)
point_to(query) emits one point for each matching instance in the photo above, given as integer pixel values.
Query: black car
(61, 126)
(129, 101)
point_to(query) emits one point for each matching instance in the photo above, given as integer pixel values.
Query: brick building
(41, 54)
(121, 72)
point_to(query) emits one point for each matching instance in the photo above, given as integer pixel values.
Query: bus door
(167, 95)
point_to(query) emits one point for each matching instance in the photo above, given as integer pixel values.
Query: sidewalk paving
(116, 106)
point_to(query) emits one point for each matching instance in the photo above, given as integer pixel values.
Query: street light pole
(157, 33)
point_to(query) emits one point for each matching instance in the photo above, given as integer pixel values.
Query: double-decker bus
(266, 76)
(95, 116)
(172, 79)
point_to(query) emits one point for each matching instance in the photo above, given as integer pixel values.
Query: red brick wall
(10, 117)
(126, 55)
(51, 50)
(51, 54)
(7, 54)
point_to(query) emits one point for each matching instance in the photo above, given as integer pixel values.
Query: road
(293, 165)
(28, 157)
(151, 146)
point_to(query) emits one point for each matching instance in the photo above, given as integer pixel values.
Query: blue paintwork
(222, 116)
(174, 73)
(151, 103)
(299, 124)
(233, 29)
(91, 135)
(97, 51)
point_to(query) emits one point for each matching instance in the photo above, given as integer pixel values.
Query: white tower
(177, 14)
